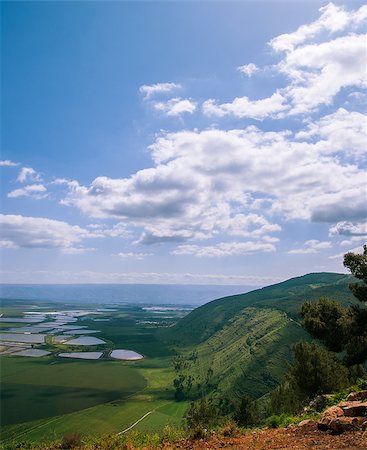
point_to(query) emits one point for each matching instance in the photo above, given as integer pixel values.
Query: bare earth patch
(278, 439)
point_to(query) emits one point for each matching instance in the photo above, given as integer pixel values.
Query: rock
(323, 425)
(308, 424)
(354, 409)
(354, 396)
(343, 424)
(333, 412)
(330, 414)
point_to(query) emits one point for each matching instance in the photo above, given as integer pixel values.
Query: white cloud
(28, 174)
(349, 229)
(317, 71)
(36, 191)
(203, 183)
(244, 107)
(342, 131)
(333, 19)
(151, 90)
(8, 163)
(341, 255)
(133, 255)
(224, 249)
(248, 69)
(38, 232)
(312, 246)
(175, 106)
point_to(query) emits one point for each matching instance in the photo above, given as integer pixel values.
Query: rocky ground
(295, 438)
(342, 426)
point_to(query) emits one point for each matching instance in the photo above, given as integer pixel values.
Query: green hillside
(287, 296)
(243, 343)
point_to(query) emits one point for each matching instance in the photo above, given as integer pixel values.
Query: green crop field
(59, 386)
(46, 398)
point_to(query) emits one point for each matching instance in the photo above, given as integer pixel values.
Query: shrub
(279, 421)
(201, 416)
(230, 429)
(71, 440)
(362, 383)
(246, 415)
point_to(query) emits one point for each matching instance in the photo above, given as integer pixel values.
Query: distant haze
(123, 293)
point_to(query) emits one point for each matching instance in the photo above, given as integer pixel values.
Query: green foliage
(328, 321)
(336, 398)
(362, 383)
(357, 264)
(338, 327)
(286, 398)
(284, 419)
(201, 416)
(246, 414)
(280, 421)
(316, 371)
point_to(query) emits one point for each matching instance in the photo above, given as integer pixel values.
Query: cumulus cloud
(312, 246)
(207, 182)
(175, 106)
(149, 91)
(28, 174)
(8, 163)
(38, 232)
(224, 249)
(244, 107)
(248, 69)
(333, 19)
(349, 229)
(36, 191)
(342, 131)
(318, 72)
(318, 60)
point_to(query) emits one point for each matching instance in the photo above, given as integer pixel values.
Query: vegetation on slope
(242, 344)
(287, 296)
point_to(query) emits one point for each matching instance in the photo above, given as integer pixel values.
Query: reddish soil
(282, 438)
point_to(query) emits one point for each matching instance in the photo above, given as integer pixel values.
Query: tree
(327, 320)
(340, 328)
(357, 264)
(246, 415)
(316, 371)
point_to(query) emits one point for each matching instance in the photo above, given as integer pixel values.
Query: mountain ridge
(243, 343)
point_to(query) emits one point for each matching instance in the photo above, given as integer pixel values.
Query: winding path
(135, 423)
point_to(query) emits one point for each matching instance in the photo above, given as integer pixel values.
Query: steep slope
(242, 344)
(287, 296)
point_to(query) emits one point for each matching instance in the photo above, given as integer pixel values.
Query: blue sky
(182, 142)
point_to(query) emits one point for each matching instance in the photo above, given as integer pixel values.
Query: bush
(200, 417)
(71, 440)
(280, 421)
(362, 383)
(230, 429)
(246, 415)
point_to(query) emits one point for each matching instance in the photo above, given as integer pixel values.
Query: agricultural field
(49, 396)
